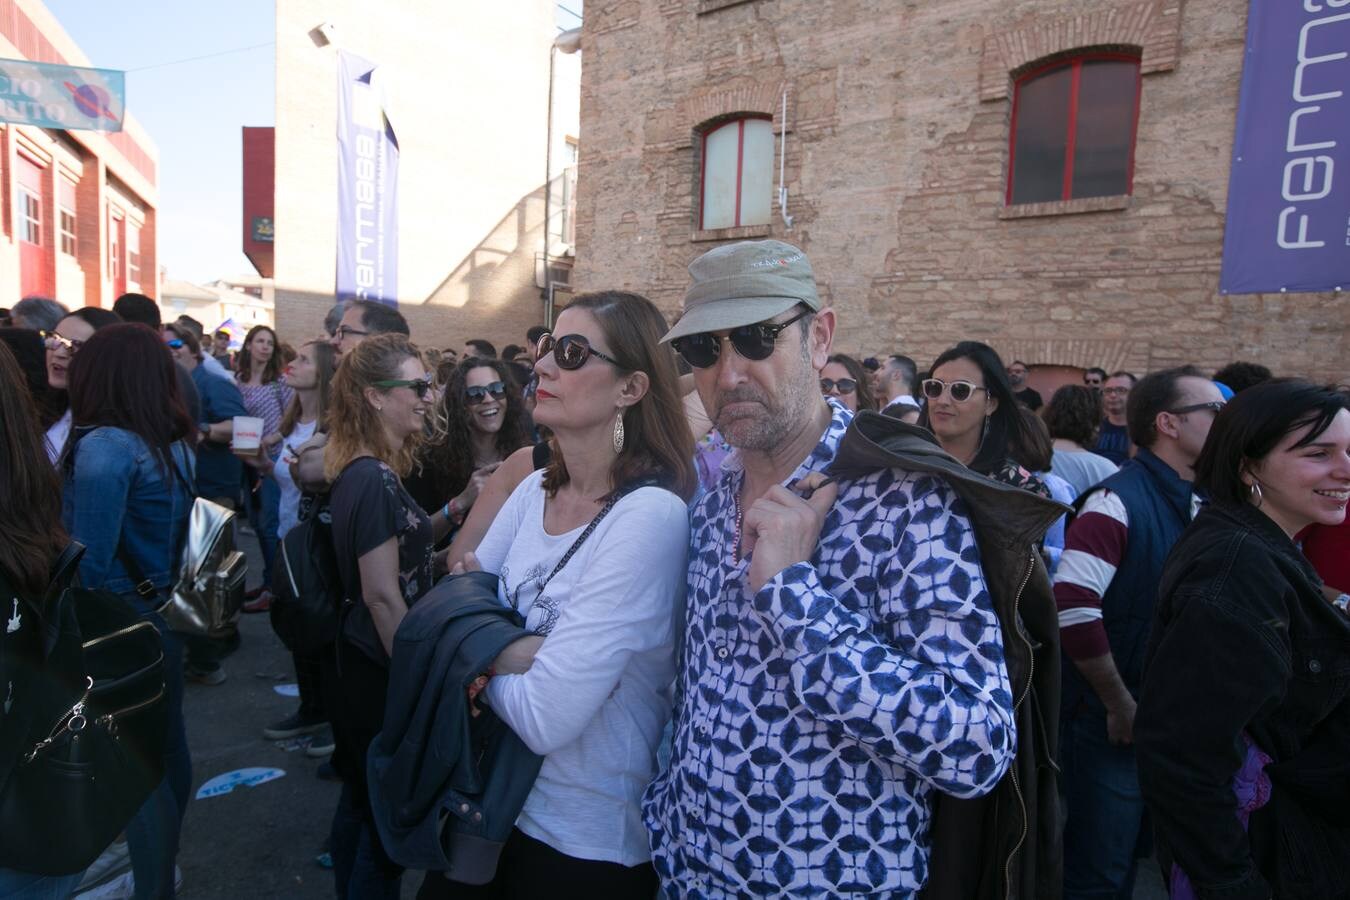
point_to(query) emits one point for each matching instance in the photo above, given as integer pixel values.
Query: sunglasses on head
(479, 392)
(845, 385)
(754, 342)
(420, 386)
(570, 351)
(1213, 406)
(961, 391)
(54, 341)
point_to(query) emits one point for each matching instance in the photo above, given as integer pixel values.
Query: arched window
(1073, 128)
(737, 174)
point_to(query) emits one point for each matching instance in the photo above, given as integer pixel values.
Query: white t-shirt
(57, 436)
(289, 510)
(599, 693)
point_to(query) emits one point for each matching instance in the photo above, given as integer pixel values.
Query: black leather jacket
(1243, 640)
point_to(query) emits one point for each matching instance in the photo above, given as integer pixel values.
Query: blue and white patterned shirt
(818, 716)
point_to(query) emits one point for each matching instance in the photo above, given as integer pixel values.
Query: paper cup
(247, 434)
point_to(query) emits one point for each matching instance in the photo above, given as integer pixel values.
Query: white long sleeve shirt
(599, 693)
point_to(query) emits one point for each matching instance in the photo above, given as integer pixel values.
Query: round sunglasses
(961, 390)
(754, 342)
(478, 393)
(845, 385)
(420, 386)
(571, 351)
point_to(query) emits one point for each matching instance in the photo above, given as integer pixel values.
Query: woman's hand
(479, 478)
(468, 564)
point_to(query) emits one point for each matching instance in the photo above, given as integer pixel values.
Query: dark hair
(1241, 375)
(31, 355)
(1154, 393)
(871, 363)
(1005, 423)
(511, 351)
(94, 317)
(1253, 423)
(907, 368)
(1074, 414)
(1017, 362)
(333, 318)
(138, 308)
(1031, 447)
(657, 442)
(534, 333)
(124, 377)
(185, 335)
(1098, 369)
(31, 535)
(483, 348)
(1123, 374)
(448, 455)
(197, 328)
(858, 374)
(380, 318)
(244, 362)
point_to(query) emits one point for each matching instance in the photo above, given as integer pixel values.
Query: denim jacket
(115, 489)
(1244, 642)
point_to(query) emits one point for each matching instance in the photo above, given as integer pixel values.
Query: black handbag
(96, 722)
(307, 589)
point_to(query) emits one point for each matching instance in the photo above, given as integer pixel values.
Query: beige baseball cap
(744, 283)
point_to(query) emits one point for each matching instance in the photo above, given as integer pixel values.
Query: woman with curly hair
(1073, 417)
(478, 422)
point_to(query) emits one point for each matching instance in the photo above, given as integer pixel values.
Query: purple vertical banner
(367, 251)
(1288, 225)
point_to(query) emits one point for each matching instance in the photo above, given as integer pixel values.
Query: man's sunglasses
(961, 391)
(1213, 406)
(570, 351)
(174, 344)
(845, 385)
(420, 386)
(478, 393)
(54, 341)
(754, 342)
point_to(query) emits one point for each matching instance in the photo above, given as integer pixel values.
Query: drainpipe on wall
(568, 42)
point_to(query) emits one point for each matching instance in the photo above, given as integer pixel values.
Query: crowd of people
(709, 609)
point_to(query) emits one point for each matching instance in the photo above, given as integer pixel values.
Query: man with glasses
(362, 319)
(842, 659)
(1105, 587)
(1025, 394)
(1094, 378)
(1113, 437)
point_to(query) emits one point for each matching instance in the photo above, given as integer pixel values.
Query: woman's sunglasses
(479, 392)
(961, 390)
(54, 341)
(174, 344)
(420, 386)
(845, 385)
(570, 351)
(754, 342)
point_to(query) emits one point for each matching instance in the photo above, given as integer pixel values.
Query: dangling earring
(618, 432)
(1257, 499)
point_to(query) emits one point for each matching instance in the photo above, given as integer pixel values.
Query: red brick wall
(897, 145)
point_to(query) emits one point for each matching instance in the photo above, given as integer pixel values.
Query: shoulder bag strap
(576, 545)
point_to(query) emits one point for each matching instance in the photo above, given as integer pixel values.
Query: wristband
(451, 511)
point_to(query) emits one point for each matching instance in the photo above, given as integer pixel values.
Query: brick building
(77, 208)
(933, 212)
(467, 94)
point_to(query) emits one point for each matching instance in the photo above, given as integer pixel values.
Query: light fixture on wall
(323, 34)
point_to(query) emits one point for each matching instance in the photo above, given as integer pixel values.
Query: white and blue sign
(224, 784)
(61, 97)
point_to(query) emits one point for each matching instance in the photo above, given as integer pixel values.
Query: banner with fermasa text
(367, 251)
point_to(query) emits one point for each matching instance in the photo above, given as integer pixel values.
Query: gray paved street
(261, 842)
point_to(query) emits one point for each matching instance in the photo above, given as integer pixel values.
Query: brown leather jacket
(1006, 845)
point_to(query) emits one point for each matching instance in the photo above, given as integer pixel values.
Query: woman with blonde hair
(379, 401)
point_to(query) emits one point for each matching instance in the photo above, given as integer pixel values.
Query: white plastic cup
(247, 434)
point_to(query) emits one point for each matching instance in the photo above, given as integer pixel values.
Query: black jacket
(1007, 844)
(1243, 640)
(446, 787)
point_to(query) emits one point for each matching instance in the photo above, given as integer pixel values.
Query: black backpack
(307, 589)
(93, 726)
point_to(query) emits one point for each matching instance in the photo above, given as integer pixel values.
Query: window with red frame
(1073, 129)
(737, 170)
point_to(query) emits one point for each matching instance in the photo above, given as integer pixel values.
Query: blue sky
(193, 110)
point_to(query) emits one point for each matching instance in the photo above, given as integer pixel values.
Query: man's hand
(782, 528)
(1120, 722)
